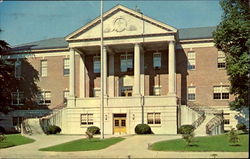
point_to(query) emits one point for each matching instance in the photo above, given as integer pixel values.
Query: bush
(233, 137)
(143, 129)
(186, 129)
(53, 129)
(93, 130)
(241, 126)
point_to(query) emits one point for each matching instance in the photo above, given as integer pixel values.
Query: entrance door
(119, 124)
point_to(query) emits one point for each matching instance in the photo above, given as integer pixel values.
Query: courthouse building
(152, 73)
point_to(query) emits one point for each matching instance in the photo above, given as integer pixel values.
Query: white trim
(34, 55)
(197, 45)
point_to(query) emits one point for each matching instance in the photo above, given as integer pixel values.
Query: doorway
(119, 124)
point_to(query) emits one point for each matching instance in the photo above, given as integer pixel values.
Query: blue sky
(24, 22)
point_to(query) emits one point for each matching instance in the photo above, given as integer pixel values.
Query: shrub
(143, 129)
(188, 138)
(93, 130)
(233, 137)
(186, 129)
(242, 127)
(53, 129)
(89, 135)
(2, 137)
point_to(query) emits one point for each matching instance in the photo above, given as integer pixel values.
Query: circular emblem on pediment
(120, 24)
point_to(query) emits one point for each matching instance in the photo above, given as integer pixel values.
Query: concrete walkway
(132, 147)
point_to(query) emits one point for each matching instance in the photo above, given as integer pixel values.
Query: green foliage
(2, 137)
(93, 129)
(143, 129)
(53, 129)
(188, 138)
(84, 145)
(242, 127)
(233, 136)
(89, 135)
(186, 129)
(232, 37)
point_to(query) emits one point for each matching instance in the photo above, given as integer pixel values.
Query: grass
(84, 145)
(14, 140)
(211, 143)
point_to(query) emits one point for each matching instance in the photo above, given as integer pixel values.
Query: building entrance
(119, 124)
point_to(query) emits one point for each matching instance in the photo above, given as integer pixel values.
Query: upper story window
(43, 98)
(126, 91)
(97, 92)
(191, 93)
(44, 68)
(87, 119)
(157, 90)
(97, 64)
(18, 64)
(157, 60)
(221, 60)
(17, 98)
(191, 60)
(126, 62)
(66, 66)
(154, 118)
(221, 92)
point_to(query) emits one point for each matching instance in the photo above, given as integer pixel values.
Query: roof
(60, 42)
(196, 33)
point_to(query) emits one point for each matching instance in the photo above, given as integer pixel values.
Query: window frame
(127, 59)
(94, 91)
(66, 67)
(94, 65)
(42, 97)
(188, 99)
(219, 94)
(189, 66)
(65, 97)
(154, 60)
(44, 68)
(221, 55)
(154, 118)
(88, 120)
(20, 100)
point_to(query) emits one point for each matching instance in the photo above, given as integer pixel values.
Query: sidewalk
(132, 147)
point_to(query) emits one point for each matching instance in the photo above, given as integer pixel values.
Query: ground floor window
(226, 121)
(17, 98)
(87, 119)
(191, 93)
(126, 91)
(154, 118)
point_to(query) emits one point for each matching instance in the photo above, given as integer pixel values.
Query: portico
(130, 40)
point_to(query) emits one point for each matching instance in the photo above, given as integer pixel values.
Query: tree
(26, 83)
(233, 137)
(232, 37)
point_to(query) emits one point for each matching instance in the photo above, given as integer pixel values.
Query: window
(191, 60)
(126, 62)
(221, 92)
(17, 98)
(18, 69)
(87, 119)
(44, 98)
(97, 64)
(126, 91)
(157, 90)
(157, 60)
(154, 118)
(65, 95)
(44, 68)
(66, 66)
(221, 59)
(97, 92)
(226, 121)
(191, 93)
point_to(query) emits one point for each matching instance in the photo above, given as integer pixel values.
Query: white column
(142, 87)
(171, 69)
(72, 73)
(111, 84)
(105, 71)
(82, 76)
(136, 86)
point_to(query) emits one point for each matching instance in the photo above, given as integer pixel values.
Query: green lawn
(14, 140)
(84, 145)
(211, 143)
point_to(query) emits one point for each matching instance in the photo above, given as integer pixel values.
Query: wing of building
(153, 74)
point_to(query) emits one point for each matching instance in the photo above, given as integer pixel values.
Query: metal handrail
(198, 121)
(214, 122)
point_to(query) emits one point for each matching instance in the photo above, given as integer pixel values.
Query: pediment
(121, 21)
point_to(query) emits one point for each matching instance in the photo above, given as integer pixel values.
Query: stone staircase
(201, 130)
(32, 126)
